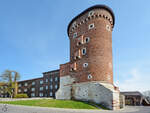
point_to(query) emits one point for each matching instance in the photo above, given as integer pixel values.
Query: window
(26, 84)
(91, 26)
(108, 27)
(41, 81)
(80, 40)
(51, 94)
(19, 85)
(75, 35)
(51, 80)
(46, 87)
(46, 80)
(91, 13)
(41, 88)
(74, 24)
(73, 66)
(89, 76)
(41, 94)
(25, 90)
(33, 83)
(85, 65)
(83, 51)
(32, 94)
(19, 90)
(56, 78)
(56, 86)
(51, 86)
(33, 89)
(87, 39)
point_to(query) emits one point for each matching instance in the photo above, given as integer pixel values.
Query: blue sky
(33, 37)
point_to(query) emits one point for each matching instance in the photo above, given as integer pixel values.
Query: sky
(33, 38)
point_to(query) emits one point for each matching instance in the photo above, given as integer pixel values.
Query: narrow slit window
(83, 51)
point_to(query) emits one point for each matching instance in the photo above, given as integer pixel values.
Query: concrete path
(28, 109)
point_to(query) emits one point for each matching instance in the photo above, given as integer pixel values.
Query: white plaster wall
(64, 91)
(101, 93)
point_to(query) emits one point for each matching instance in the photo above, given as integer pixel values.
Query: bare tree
(10, 78)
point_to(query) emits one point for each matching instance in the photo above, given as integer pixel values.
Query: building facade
(3, 92)
(135, 98)
(89, 74)
(45, 86)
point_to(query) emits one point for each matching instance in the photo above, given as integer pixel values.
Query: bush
(21, 96)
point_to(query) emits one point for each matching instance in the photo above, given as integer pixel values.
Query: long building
(45, 86)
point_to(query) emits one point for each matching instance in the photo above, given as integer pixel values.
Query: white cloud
(134, 81)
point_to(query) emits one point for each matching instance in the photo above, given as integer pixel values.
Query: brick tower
(89, 74)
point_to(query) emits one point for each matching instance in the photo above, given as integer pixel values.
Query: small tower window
(91, 26)
(83, 51)
(79, 43)
(74, 24)
(85, 65)
(91, 13)
(87, 39)
(108, 27)
(89, 76)
(75, 35)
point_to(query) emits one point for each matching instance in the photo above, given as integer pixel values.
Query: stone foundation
(64, 91)
(98, 92)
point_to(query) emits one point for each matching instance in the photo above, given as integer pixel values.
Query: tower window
(85, 65)
(91, 13)
(79, 43)
(91, 26)
(87, 39)
(74, 24)
(108, 27)
(83, 51)
(75, 35)
(89, 76)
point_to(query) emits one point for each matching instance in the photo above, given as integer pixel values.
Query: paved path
(27, 109)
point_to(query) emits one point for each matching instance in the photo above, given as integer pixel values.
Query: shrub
(21, 96)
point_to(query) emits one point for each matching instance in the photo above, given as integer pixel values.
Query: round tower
(90, 36)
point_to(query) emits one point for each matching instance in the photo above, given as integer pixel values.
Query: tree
(10, 78)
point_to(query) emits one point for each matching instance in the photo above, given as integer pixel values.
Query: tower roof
(90, 8)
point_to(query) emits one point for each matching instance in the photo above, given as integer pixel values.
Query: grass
(53, 103)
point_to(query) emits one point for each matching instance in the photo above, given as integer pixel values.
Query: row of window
(89, 14)
(91, 26)
(41, 94)
(41, 88)
(41, 81)
(81, 40)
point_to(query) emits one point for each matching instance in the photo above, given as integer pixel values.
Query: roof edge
(90, 8)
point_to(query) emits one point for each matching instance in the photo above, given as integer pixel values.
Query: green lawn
(53, 103)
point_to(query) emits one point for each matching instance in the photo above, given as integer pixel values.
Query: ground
(53, 103)
(30, 109)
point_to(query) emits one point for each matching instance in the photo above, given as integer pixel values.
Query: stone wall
(64, 91)
(101, 93)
